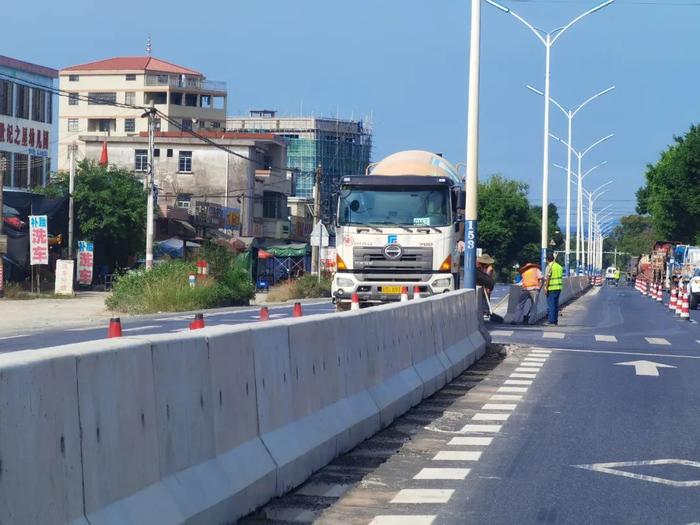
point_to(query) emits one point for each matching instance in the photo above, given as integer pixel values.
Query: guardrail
(205, 426)
(572, 288)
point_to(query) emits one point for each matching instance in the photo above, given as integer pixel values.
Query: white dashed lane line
(657, 341)
(499, 406)
(5, 338)
(522, 382)
(442, 473)
(516, 375)
(457, 455)
(403, 520)
(423, 496)
(553, 335)
(138, 328)
(606, 338)
(513, 389)
(484, 416)
(506, 397)
(471, 441)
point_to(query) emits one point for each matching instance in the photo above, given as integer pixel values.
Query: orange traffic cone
(264, 313)
(685, 312)
(355, 305)
(198, 322)
(416, 292)
(115, 327)
(297, 311)
(674, 299)
(404, 294)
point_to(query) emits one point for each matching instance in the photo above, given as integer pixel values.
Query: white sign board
(38, 239)
(86, 255)
(319, 235)
(64, 277)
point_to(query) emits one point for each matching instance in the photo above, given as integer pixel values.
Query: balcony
(184, 82)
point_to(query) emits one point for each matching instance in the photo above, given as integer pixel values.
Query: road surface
(594, 421)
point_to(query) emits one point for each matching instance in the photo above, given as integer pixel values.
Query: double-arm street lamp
(548, 39)
(570, 114)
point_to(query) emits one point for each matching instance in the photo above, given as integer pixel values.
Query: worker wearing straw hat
(532, 284)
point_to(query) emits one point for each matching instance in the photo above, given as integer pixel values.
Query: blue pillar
(470, 235)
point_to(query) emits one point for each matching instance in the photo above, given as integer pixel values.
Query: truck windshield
(399, 206)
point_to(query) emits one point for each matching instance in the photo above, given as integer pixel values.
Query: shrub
(305, 287)
(165, 288)
(235, 278)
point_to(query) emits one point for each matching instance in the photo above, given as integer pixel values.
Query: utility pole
(3, 239)
(150, 182)
(316, 250)
(471, 183)
(71, 189)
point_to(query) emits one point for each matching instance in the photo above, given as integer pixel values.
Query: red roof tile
(133, 64)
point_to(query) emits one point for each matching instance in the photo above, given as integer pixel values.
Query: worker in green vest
(554, 280)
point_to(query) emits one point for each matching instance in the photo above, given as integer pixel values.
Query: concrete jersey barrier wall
(572, 288)
(205, 426)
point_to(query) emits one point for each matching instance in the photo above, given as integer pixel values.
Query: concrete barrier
(572, 288)
(205, 426)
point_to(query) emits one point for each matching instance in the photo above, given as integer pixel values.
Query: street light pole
(548, 39)
(570, 113)
(150, 183)
(592, 197)
(471, 183)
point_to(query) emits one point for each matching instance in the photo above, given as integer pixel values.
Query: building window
(186, 124)
(22, 102)
(49, 108)
(6, 97)
(72, 99)
(157, 97)
(274, 205)
(36, 172)
(38, 105)
(102, 99)
(73, 78)
(184, 164)
(156, 152)
(20, 169)
(191, 100)
(130, 98)
(169, 153)
(72, 124)
(5, 165)
(215, 124)
(183, 200)
(129, 125)
(131, 76)
(140, 160)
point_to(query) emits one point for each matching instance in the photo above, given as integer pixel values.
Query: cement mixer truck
(398, 229)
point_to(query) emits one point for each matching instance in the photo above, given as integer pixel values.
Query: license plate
(391, 289)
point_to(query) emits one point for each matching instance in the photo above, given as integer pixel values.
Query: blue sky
(405, 64)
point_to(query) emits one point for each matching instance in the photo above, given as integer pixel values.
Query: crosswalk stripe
(484, 416)
(517, 382)
(506, 397)
(657, 341)
(516, 375)
(470, 441)
(457, 455)
(481, 428)
(513, 389)
(442, 473)
(606, 338)
(403, 520)
(423, 496)
(527, 369)
(499, 406)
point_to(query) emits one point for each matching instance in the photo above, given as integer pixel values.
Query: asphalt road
(563, 425)
(151, 324)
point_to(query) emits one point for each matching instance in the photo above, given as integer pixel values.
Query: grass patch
(165, 288)
(17, 292)
(306, 287)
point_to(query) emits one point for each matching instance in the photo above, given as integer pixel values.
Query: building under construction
(340, 147)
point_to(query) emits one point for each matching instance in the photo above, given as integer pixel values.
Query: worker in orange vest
(531, 284)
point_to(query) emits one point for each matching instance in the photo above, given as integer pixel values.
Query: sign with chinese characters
(38, 239)
(64, 277)
(86, 254)
(25, 136)
(232, 219)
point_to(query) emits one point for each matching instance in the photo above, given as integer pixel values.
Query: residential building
(216, 188)
(340, 147)
(26, 122)
(181, 94)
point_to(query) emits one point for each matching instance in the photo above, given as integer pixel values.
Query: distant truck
(686, 271)
(398, 227)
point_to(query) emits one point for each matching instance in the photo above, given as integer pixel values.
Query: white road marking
(483, 416)
(502, 333)
(326, 490)
(178, 318)
(499, 406)
(85, 329)
(527, 369)
(5, 338)
(528, 360)
(423, 496)
(606, 338)
(272, 316)
(553, 335)
(657, 341)
(618, 352)
(513, 389)
(506, 397)
(471, 441)
(540, 352)
(516, 375)
(178, 330)
(457, 455)
(442, 473)
(136, 329)
(517, 382)
(403, 520)
(645, 368)
(609, 468)
(481, 428)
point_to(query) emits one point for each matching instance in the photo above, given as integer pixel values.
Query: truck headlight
(442, 283)
(340, 281)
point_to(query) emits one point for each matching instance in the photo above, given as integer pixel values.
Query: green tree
(634, 235)
(671, 195)
(110, 210)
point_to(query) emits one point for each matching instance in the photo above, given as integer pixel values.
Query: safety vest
(556, 276)
(617, 274)
(530, 279)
